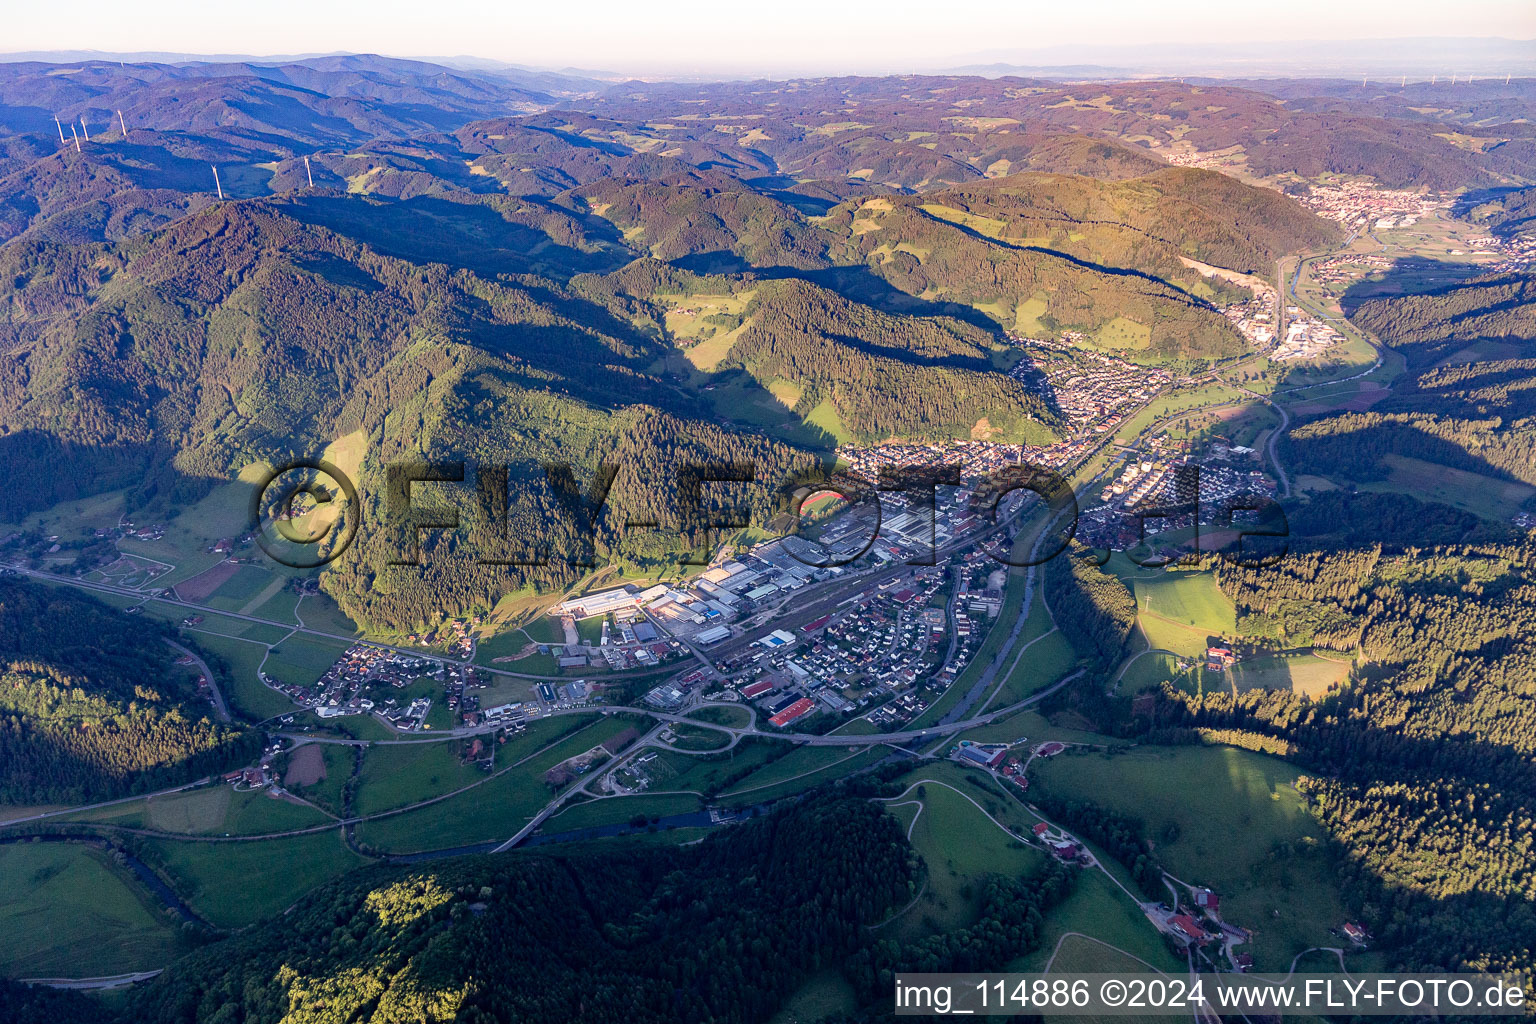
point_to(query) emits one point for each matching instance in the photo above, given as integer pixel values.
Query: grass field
(1046, 660)
(98, 512)
(402, 774)
(708, 773)
(303, 659)
(327, 791)
(208, 810)
(1247, 836)
(1099, 909)
(65, 911)
(236, 592)
(619, 810)
(1032, 726)
(837, 770)
(320, 611)
(246, 694)
(1299, 672)
(733, 715)
(500, 807)
(1176, 610)
(278, 604)
(827, 994)
(825, 418)
(1485, 496)
(1122, 333)
(235, 884)
(1152, 669)
(961, 848)
(698, 738)
(815, 764)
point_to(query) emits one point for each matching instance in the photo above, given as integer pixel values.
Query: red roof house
(794, 711)
(1189, 928)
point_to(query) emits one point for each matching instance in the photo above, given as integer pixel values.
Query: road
(737, 733)
(219, 706)
(807, 739)
(94, 984)
(415, 652)
(1274, 435)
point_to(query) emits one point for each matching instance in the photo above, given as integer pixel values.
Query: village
(1364, 203)
(359, 681)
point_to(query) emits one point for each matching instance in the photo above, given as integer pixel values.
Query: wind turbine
(61, 129)
(76, 136)
(85, 130)
(121, 125)
(216, 185)
(309, 172)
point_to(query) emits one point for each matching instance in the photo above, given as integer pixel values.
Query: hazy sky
(713, 35)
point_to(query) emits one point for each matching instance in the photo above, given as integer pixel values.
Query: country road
(94, 984)
(213, 681)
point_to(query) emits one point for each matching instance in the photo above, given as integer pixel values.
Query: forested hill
(92, 706)
(869, 367)
(1512, 213)
(1468, 399)
(722, 931)
(454, 264)
(1430, 326)
(1147, 221)
(1422, 766)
